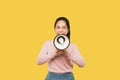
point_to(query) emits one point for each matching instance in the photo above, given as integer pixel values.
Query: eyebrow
(62, 26)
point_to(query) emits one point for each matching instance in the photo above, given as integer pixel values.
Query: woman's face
(61, 27)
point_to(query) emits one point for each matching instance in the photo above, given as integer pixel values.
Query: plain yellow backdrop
(26, 24)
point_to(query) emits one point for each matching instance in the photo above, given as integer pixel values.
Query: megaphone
(61, 42)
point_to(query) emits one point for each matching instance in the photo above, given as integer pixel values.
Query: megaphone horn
(61, 42)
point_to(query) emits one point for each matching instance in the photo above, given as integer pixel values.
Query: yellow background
(26, 24)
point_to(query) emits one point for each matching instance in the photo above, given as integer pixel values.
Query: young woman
(60, 62)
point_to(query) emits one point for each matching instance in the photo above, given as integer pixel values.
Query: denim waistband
(55, 74)
(60, 76)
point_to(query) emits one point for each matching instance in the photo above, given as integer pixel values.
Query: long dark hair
(67, 23)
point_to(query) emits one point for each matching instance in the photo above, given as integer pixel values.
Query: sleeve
(76, 57)
(43, 55)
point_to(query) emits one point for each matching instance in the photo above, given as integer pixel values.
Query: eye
(57, 27)
(64, 27)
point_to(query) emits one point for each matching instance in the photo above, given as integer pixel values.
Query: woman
(60, 62)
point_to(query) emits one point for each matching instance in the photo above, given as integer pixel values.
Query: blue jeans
(57, 76)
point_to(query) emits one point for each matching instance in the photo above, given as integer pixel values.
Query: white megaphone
(61, 42)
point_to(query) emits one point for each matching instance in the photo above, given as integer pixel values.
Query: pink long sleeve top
(58, 62)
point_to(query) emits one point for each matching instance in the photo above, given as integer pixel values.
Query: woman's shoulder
(47, 42)
(72, 44)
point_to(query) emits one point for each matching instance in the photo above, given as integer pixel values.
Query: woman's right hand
(59, 52)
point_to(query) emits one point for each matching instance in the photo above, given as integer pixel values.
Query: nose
(61, 31)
